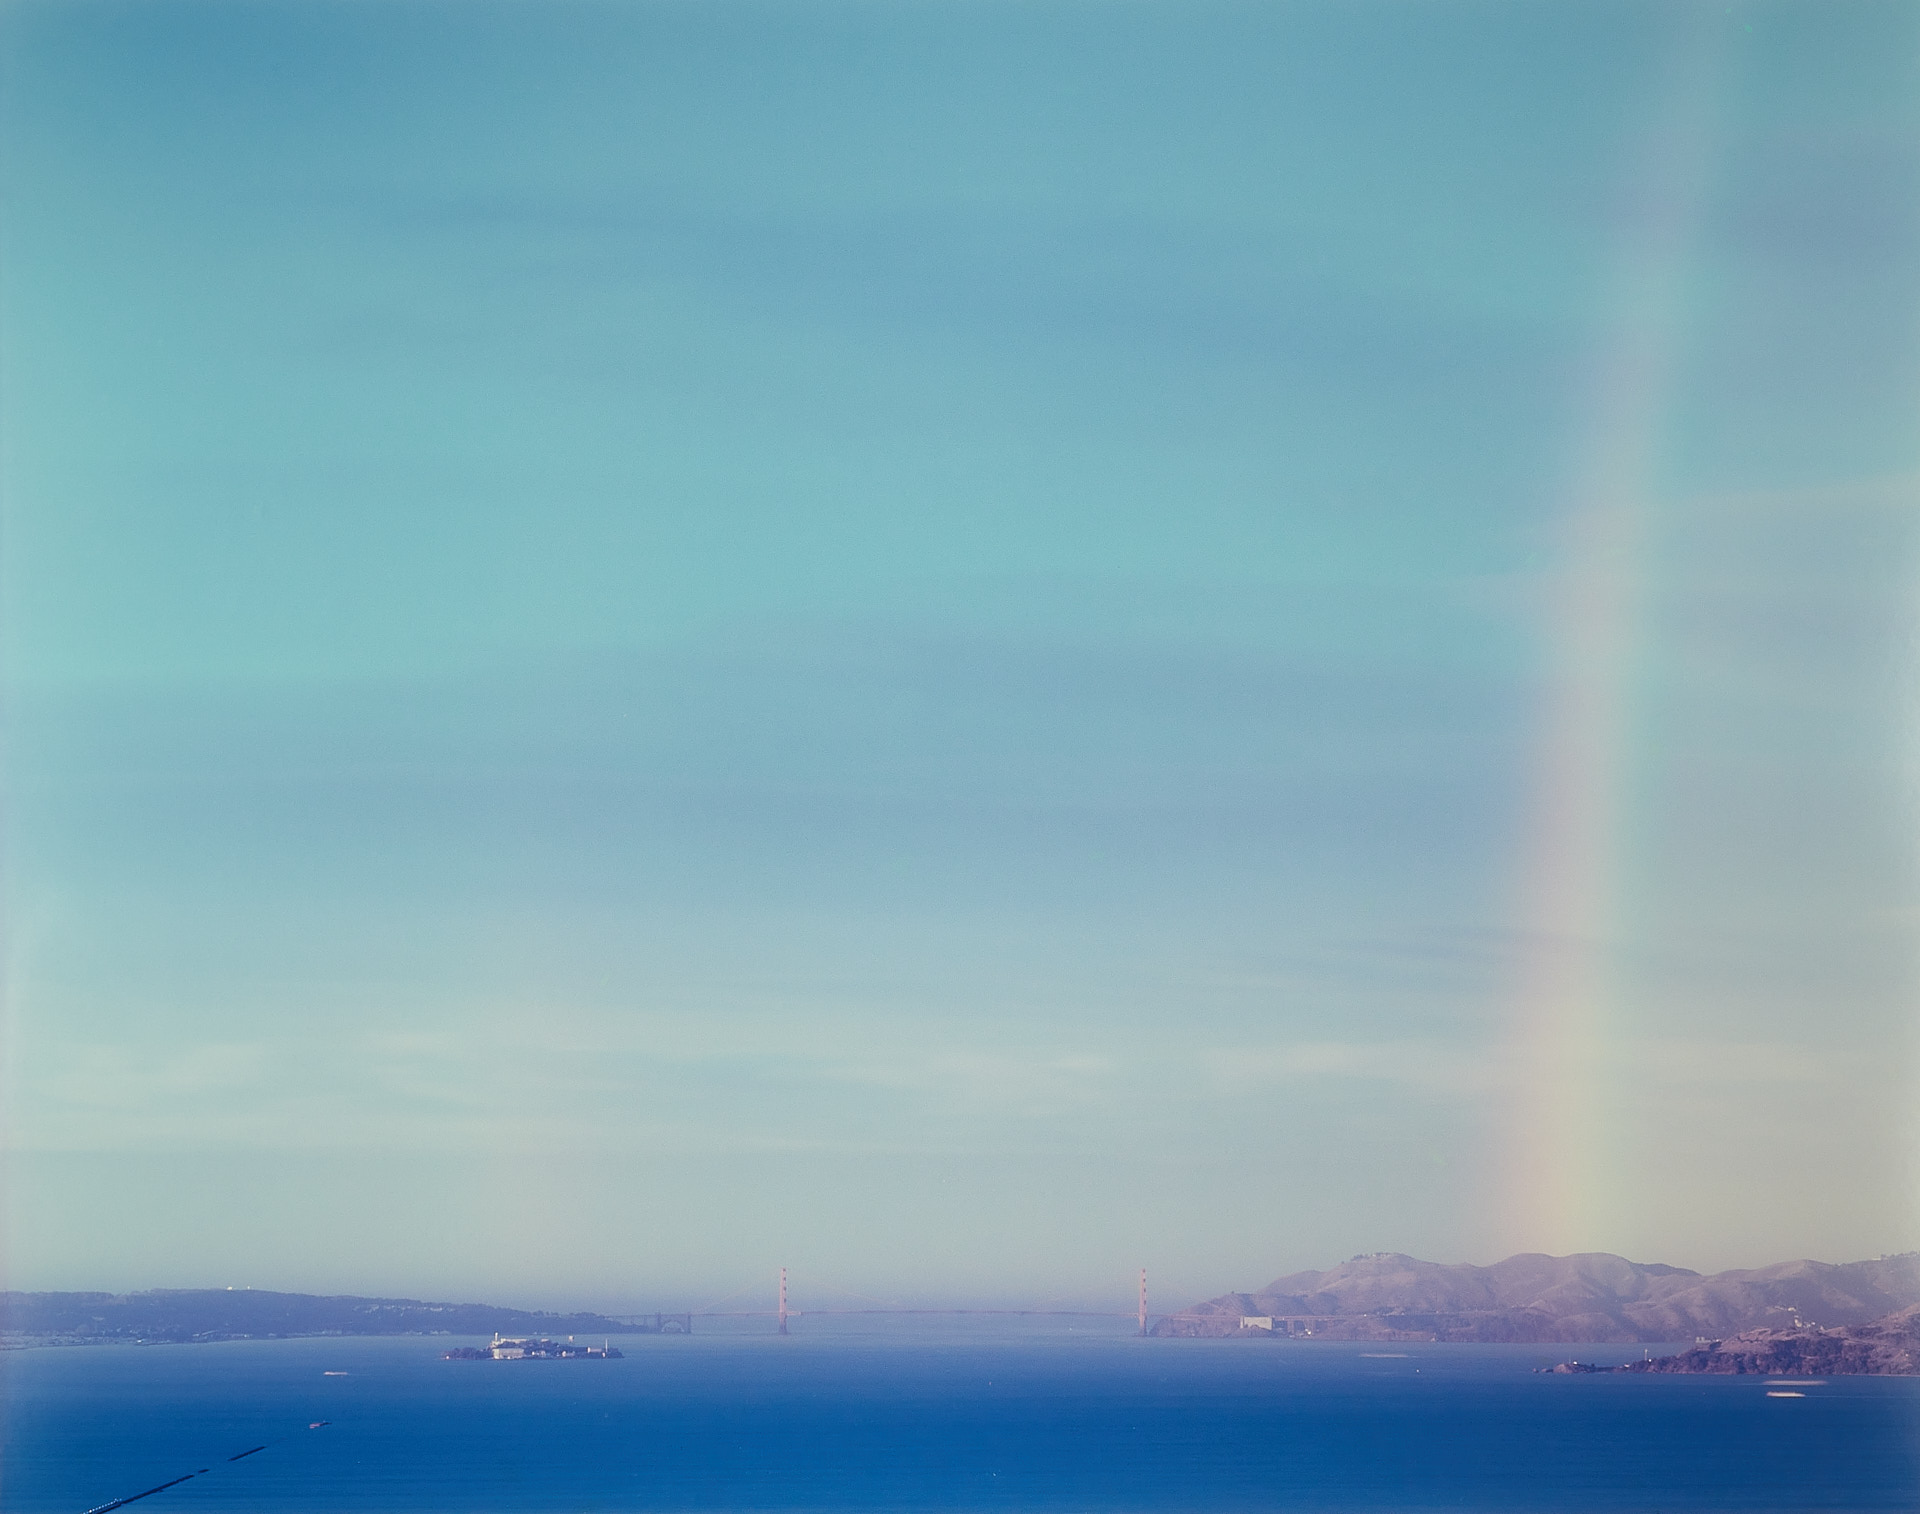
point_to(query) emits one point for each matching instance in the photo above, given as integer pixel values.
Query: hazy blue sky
(963, 645)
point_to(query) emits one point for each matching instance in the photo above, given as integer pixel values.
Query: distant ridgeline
(1590, 1297)
(211, 1314)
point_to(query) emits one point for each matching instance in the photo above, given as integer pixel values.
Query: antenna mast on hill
(783, 1300)
(1143, 1300)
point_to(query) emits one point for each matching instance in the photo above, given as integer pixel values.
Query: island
(531, 1348)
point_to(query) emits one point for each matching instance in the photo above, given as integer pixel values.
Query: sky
(960, 646)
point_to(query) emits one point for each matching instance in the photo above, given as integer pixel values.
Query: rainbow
(1565, 1188)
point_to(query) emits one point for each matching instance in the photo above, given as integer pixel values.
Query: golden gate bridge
(783, 1312)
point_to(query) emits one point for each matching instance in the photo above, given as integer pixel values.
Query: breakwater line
(174, 1482)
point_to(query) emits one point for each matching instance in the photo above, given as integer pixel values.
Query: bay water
(888, 1415)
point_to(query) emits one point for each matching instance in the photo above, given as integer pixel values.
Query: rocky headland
(1592, 1296)
(1887, 1347)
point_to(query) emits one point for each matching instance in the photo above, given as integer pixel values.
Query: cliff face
(1886, 1347)
(1593, 1296)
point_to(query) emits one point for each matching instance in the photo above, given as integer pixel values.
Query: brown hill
(1592, 1296)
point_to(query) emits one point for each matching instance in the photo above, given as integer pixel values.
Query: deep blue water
(933, 1421)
